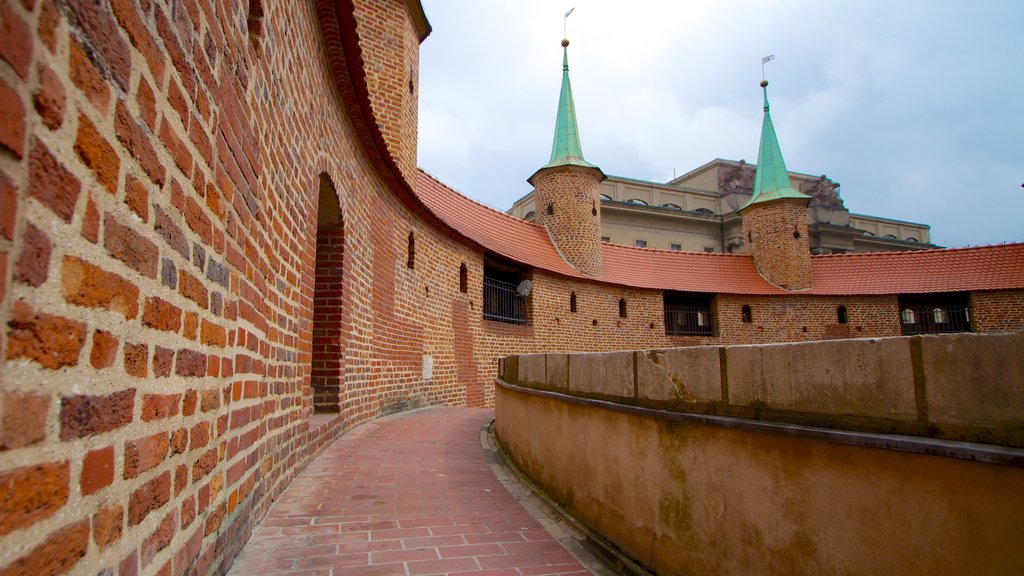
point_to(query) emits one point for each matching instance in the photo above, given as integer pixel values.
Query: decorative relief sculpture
(739, 178)
(823, 192)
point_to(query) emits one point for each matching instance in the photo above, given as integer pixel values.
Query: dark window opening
(606, 239)
(530, 215)
(704, 212)
(254, 24)
(410, 262)
(934, 313)
(572, 302)
(640, 243)
(604, 197)
(506, 292)
(463, 278)
(747, 314)
(622, 307)
(841, 316)
(676, 247)
(688, 314)
(551, 208)
(593, 210)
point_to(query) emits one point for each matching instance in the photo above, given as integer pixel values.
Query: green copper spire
(771, 181)
(566, 150)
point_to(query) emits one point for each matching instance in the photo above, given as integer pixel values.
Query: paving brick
(408, 494)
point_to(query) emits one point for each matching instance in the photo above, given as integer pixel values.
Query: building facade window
(622, 307)
(688, 314)
(640, 243)
(746, 314)
(637, 201)
(709, 249)
(671, 206)
(934, 313)
(463, 278)
(841, 316)
(606, 239)
(506, 292)
(677, 247)
(572, 302)
(530, 215)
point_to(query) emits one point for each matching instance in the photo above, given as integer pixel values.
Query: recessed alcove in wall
(327, 376)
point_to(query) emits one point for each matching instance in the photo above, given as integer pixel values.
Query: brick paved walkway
(407, 494)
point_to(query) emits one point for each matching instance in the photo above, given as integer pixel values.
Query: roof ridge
(904, 253)
(475, 201)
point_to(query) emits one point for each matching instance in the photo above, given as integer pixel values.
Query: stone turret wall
(775, 233)
(568, 205)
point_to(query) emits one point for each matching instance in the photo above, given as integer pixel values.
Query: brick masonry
(164, 353)
(775, 233)
(568, 206)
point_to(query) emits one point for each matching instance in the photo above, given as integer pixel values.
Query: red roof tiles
(982, 268)
(999, 267)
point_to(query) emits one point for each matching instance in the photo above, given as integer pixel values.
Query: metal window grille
(688, 320)
(502, 303)
(934, 319)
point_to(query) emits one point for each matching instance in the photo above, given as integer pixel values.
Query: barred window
(506, 292)
(688, 314)
(934, 313)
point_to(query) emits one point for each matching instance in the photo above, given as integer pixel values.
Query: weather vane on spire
(565, 24)
(765, 60)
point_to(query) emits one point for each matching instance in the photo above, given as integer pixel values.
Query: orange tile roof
(999, 267)
(496, 231)
(948, 270)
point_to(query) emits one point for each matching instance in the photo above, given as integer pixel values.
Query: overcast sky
(915, 107)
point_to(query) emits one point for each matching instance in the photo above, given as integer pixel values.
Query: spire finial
(764, 81)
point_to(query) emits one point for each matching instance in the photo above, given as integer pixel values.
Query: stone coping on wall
(963, 387)
(984, 453)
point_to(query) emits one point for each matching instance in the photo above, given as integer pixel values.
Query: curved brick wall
(161, 262)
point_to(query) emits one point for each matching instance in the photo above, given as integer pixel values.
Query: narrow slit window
(747, 314)
(572, 302)
(410, 263)
(463, 278)
(841, 316)
(622, 308)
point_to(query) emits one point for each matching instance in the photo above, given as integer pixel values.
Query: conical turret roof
(771, 181)
(566, 149)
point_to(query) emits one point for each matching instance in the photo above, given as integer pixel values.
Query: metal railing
(502, 303)
(688, 321)
(934, 319)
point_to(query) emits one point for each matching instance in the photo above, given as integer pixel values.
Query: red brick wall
(575, 219)
(159, 293)
(775, 234)
(997, 311)
(328, 339)
(390, 48)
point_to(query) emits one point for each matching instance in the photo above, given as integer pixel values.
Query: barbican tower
(775, 218)
(566, 189)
